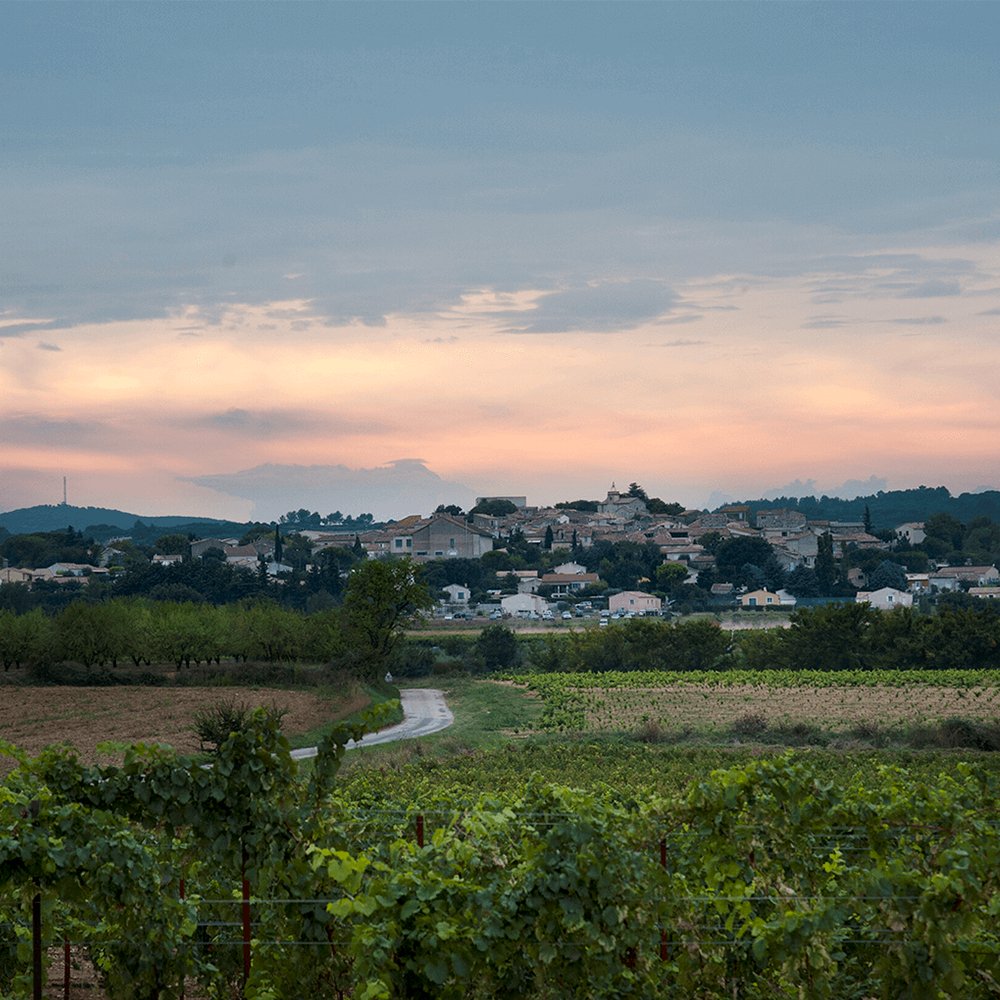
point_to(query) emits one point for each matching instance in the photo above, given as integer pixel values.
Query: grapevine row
(766, 879)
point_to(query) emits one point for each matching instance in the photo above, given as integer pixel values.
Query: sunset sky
(372, 257)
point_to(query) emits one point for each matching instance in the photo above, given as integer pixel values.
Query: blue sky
(629, 201)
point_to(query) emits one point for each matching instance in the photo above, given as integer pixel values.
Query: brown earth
(33, 717)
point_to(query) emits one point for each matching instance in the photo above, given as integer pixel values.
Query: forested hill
(57, 517)
(892, 508)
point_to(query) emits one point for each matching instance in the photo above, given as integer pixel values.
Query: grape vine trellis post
(663, 931)
(36, 925)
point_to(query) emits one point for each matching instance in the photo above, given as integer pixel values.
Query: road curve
(424, 712)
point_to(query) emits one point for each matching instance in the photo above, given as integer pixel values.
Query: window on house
(451, 543)
(398, 542)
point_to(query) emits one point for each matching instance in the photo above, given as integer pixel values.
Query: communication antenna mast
(64, 492)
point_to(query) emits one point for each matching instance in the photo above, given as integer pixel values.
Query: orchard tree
(93, 634)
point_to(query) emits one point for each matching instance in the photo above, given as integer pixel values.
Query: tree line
(361, 635)
(829, 637)
(365, 636)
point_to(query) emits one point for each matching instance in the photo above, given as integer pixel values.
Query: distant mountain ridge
(56, 517)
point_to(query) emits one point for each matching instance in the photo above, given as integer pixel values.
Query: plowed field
(33, 717)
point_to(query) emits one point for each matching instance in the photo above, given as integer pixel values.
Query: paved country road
(424, 712)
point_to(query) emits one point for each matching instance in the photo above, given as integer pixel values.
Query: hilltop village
(626, 555)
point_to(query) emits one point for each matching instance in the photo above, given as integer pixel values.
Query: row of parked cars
(584, 609)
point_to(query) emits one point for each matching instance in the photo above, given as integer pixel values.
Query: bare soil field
(695, 706)
(33, 717)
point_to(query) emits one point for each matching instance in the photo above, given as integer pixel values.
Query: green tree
(945, 527)
(497, 561)
(802, 582)
(670, 576)
(888, 574)
(124, 554)
(296, 551)
(25, 640)
(172, 545)
(16, 597)
(495, 508)
(742, 561)
(587, 506)
(710, 541)
(383, 596)
(657, 506)
(826, 567)
(832, 637)
(497, 645)
(329, 566)
(93, 634)
(981, 543)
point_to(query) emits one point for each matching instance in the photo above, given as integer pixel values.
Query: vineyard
(818, 706)
(769, 877)
(635, 833)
